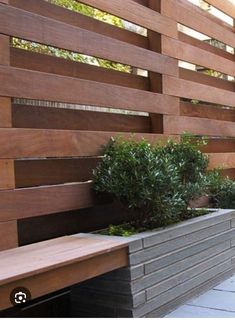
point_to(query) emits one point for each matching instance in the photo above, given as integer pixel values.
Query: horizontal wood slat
(225, 6)
(65, 275)
(197, 56)
(207, 111)
(137, 14)
(192, 90)
(7, 175)
(38, 201)
(54, 254)
(223, 160)
(44, 63)
(8, 235)
(196, 18)
(30, 143)
(205, 46)
(217, 145)
(40, 117)
(199, 126)
(4, 50)
(5, 112)
(204, 79)
(49, 10)
(20, 83)
(229, 173)
(29, 173)
(15, 22)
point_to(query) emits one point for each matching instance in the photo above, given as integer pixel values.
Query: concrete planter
(166, 267)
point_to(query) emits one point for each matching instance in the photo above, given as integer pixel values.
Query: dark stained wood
(204, 79)
(205, 46)
(15, 22)
(7, 174)
(219, 146)
(226, 6)
(199, 126)
(37, 201)
(36, 229)
(137, 14)
(5, 112)
(20, 83)
(194, 17)
(193, 90)
(207, 111)
(31, 143)
(223, 160)
(25, 116)
(229, 173)
(4, 50)
(8, 235)
(49, 10)
(156, 44)
(49, 64)
(29, 173)
(197, 56)
(59, 263)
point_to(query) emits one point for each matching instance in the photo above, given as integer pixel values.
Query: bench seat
(52, 265)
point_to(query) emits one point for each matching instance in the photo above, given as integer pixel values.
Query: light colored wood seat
(51, 265)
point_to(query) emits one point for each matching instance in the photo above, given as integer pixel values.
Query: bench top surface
(40, 257)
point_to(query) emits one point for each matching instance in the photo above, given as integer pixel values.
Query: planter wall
(166, 267)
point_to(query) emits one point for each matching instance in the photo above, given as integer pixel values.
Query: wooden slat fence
(47, 154)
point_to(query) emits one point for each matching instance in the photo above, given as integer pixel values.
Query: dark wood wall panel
(50, 64)
(39, 117)
(20, 83)
(48, 154)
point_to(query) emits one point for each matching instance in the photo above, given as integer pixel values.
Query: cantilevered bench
(52, 265)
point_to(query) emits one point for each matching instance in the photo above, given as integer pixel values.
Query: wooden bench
(52, 265)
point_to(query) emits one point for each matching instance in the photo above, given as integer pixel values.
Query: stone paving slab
(216, 303)
(189, 311)
(228, 285)
(216, 300)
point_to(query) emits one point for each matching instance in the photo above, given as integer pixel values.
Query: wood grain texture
(4, 50)
(64, 67)
(194, 17)
(223, 160)
(31, 143)
(49, 10)
(37, 201)
(199, 126)
(20, 83)
(39, 117)
(7, 174)
(205, 46)
(36, 229)
(197, 56)
(8, 235)
(204, 79)
(216, 145)
(156, 41)
(207, 111)
(29, 173)
(5, 112)
(137, 14)
(59, 263)
(228, 173)
(15, 22)
(56, 253)
(225, 6)
(192, 90)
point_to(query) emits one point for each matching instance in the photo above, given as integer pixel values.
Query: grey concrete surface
(216, 303)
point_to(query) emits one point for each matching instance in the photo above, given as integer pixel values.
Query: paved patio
(216, 303)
